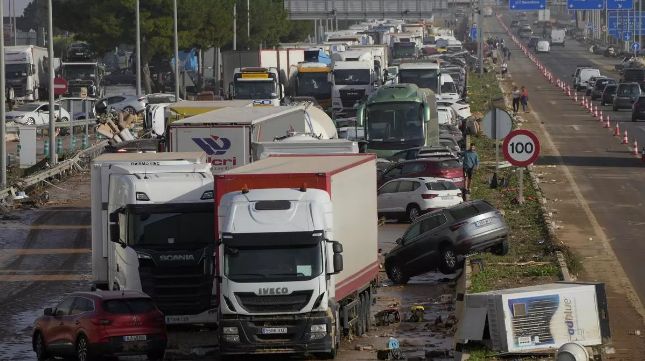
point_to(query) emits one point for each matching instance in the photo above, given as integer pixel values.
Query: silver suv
(438, 238)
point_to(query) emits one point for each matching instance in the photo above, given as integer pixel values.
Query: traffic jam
(330, 200)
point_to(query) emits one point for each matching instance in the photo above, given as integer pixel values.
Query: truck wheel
(448, 260)
(413, 212)
(502, 248)
(396, 275)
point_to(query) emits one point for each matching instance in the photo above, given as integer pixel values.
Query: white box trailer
(226, 135)
(298, 252)
(537, 318)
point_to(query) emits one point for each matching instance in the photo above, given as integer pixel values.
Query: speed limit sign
(521, 147)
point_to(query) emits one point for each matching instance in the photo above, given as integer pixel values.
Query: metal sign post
(497, 123)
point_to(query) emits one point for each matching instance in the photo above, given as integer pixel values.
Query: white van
(557, 36)
(447, 89)
(542, 46)
(583, 77)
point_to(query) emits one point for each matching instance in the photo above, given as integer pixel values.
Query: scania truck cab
(152, 231)
(261, 85)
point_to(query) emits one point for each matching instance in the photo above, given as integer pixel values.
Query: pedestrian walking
(471, 163)
(524, 99)
(516, 99)
(504, 69)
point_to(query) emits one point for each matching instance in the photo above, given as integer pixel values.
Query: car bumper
(621, 103)
(482, 242)
(117, 347)
(297, 340)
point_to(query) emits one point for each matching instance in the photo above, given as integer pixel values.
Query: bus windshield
(395, 122)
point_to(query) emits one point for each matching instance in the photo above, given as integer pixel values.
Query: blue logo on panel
(527, 4)
(585, 4)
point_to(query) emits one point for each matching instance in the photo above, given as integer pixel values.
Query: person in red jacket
(524, 99)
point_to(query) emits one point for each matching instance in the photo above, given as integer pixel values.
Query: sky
(20, 6)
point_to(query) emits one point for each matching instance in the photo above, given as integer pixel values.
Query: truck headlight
(230, 330)
(143, 256)
(232, 338)
(319, 328)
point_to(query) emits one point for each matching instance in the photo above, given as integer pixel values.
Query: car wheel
(30, 121)
(396, 275)
(413, 212)
(448, 260)
(82, 349)
(156, 355)
(40, 348)
(130, 110)
(502, 248)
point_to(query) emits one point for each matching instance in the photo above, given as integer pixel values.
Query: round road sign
(60, 86)
(521, 148)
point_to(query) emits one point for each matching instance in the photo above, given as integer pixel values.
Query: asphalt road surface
(609, 177)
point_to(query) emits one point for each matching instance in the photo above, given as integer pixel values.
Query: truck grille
(349, 97)
(274, 303)
(18, 90)
(182, 290)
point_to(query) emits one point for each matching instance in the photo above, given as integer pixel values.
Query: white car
(543, 46)
(447, 115)
(408, 198)
(36, 114)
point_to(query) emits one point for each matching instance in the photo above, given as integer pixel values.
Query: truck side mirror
(338, 263)
(281, 91)
(337, 247)
(48, 311)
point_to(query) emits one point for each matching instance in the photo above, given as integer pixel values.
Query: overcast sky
(20, 6)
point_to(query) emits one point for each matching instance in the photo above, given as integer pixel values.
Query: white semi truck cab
(297, 263)
(26, 71)
(354, 78)
(259, 84)
(152, 231)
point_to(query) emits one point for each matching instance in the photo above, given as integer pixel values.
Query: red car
(91, 325)
(449, 168)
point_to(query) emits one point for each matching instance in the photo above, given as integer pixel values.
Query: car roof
(112, 295)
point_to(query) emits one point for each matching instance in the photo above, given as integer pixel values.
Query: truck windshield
(448, 87)
(313, 84)
(273, 263)
(255, 90)
(71, 72)
(423, 78)
(15, 71)
(351, 76)
(158, 229)
(394, 122)
(404, 50)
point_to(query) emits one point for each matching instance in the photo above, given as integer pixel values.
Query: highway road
(610, 178)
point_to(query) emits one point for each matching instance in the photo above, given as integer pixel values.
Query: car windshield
(394, 122)
(15, 71)
(601, 84)
(441, 186)
(423, 78)
(255, 90)
(448, 87)
(351, 76)
(272, 264)
(625, 91)
(71, 72)
(404, 50)
(126, 306)
(151, 229)
(27, 107)
(313, 84)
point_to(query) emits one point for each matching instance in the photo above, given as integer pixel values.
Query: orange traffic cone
(617, 131)
(635, 150)
(607, 125)
(625, 139)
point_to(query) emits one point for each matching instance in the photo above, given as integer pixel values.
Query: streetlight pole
(53, 157)
(480, 35)
(235, 25)
(174, 14)
(248, 21)
(138, 51)
(3, 129)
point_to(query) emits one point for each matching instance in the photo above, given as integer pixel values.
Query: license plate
(274, 330)
(446, 197)
(176, 319)
(484, 222)
(135, 338)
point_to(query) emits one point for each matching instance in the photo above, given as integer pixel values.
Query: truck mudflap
(276, 334)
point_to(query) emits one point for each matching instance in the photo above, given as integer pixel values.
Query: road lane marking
(15, 226)
(575, 127)
(42, 277)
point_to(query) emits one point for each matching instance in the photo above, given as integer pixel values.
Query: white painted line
(575, 127)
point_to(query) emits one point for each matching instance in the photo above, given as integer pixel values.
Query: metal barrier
(83, 156)
(72, 123)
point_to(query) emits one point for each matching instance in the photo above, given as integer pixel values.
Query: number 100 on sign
(521, 148)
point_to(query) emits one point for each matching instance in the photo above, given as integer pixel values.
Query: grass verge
(531, 259)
